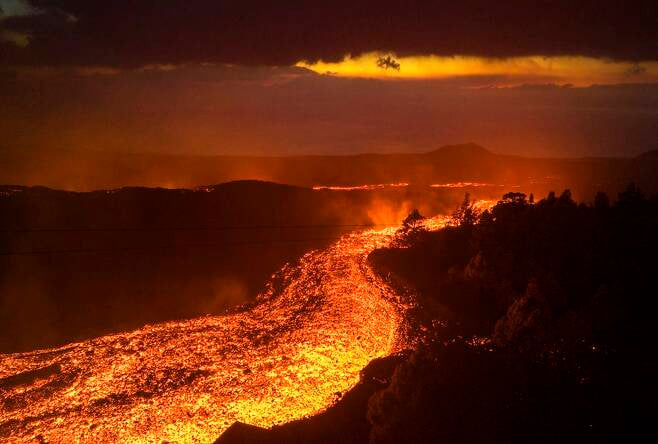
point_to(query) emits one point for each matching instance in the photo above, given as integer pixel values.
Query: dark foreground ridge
(344, 422)
(541, 321)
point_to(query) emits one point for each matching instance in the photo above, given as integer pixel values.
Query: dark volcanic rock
(240, 433)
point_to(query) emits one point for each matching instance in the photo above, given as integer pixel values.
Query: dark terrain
(541, 321)
(456, 163)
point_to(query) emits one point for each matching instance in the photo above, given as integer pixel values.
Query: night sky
(543, 78)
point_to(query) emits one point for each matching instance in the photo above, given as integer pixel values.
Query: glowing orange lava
(462, 185)
(375, 186)
(289, 356)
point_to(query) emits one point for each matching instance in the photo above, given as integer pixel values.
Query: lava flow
(368, 187)
(289, 356)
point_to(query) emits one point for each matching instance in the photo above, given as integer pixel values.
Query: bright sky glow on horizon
(576, 70)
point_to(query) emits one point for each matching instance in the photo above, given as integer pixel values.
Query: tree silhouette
(388, 62)
(631, 196)
(515, 198)
(412, 226)
(466, 215)
(601, 201)
(413, 220)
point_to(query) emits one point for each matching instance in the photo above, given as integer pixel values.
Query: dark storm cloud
(138, 32)
(48, 22)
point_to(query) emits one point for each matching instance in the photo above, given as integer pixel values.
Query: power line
(164, 247)
(218, 228)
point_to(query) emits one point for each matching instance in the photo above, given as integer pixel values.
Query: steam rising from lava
(289, 356)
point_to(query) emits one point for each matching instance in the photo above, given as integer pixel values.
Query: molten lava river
(288, 356)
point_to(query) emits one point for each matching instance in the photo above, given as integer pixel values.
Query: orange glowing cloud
(577, 70)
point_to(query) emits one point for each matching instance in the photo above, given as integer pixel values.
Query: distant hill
(467, 150)
(238, 203)
(455, 163)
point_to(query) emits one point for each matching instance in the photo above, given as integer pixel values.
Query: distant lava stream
(289, 356)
